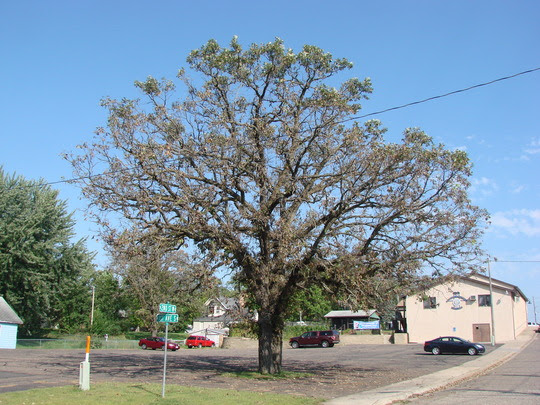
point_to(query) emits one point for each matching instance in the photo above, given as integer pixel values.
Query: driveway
(336, 371)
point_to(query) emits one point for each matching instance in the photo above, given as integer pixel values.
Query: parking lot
(337, 371)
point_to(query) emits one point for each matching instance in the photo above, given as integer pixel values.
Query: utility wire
(514, 261)
(362, 116)
(445, 95)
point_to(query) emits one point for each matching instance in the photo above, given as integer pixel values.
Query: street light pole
(92, 311)
(491, 306)
(534, 309)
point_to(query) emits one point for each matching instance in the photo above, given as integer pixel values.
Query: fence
(76, 344)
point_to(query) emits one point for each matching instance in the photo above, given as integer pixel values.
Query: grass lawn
(144, 394)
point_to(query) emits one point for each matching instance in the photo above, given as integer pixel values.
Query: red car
(157, 343)
(199, 341)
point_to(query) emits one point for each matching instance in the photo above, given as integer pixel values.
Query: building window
(484, 300)
(430, 302)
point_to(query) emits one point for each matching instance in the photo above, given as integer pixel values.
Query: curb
(439, 380)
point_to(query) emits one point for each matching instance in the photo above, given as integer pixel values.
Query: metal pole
(491, 304)
(92, 312)
(165, 359)
(534, 309)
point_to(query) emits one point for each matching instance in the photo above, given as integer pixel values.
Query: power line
(446, 94)
(360, 116)
(514, 261)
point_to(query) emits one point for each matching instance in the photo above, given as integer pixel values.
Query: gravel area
(335, 372)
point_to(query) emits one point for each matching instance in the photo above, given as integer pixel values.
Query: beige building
(463, 308)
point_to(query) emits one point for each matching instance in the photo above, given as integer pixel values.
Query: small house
(9, 324)
(346, 319)
(220, 312)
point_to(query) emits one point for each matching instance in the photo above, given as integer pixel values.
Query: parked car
(323, 338)
(452, 344)
(157, 343)
(199, 341)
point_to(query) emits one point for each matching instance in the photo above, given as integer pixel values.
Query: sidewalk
(439, 380)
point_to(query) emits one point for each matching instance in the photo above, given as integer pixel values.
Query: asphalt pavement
(439, 380)
(516, 382)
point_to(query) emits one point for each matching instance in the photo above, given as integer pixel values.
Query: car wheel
(325, 343)
(144, 347)
(436, 351)
(295, 345)
(213, 345)
(189, 346)
(200, 345)
(472, 351)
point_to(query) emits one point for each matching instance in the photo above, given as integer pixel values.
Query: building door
(481, 332)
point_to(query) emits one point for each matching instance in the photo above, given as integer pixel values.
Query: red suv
(323, 338)
(199, 341)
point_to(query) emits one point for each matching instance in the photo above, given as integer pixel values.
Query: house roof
(225, 302)
(7, 314)
(372, 313)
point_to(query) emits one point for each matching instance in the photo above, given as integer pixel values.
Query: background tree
(311, 304)
(151, 272)
(111, 303)
(41, 270)
(263, 166)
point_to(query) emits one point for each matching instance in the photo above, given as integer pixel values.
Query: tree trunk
(270, 345)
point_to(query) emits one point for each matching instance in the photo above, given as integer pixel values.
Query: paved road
(337, 371)
(515, 382)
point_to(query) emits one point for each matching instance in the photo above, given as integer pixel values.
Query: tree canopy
(262, 166)
(40, 268)
(152, 273)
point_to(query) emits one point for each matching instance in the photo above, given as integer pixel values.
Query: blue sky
(59, 58)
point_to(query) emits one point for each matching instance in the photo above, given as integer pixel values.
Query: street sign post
(168, 315)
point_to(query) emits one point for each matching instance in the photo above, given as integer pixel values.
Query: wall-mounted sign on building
(456, 301)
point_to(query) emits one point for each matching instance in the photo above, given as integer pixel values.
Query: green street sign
(167, 308)
(167, 318)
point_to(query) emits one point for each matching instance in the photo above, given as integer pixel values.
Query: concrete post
(84, 370)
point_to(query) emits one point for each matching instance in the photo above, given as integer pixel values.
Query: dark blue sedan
(452, 344)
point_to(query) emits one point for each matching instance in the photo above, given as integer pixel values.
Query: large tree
(263, 165)
(41, 269)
